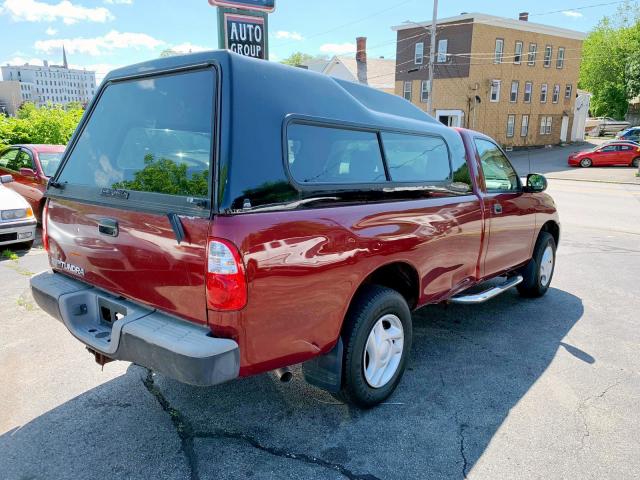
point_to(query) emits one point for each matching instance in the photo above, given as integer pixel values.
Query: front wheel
(538, 272)
(635, 163)
(586, 163)
(377, 339)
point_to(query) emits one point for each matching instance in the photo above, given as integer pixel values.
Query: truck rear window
(148, 135)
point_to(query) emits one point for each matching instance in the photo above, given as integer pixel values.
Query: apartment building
(57, 84)
(512, 79)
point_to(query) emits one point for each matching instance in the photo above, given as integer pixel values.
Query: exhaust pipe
(284, 374)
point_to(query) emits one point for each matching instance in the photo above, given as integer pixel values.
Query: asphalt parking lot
(546, 388)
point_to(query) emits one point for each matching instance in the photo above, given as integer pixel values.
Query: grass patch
(9, 254)
(28, 305)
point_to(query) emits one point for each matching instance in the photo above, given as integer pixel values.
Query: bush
(51, 124)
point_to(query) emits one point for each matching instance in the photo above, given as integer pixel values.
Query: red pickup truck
(206, 230)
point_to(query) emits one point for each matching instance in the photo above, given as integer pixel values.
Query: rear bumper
(15, 232)
(124, 330)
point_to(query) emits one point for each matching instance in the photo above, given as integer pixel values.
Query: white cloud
(187, 47)
(69, 13)
(283, 34)
(572, 13)
(51, 31)
(99, 45)
(119, 2)
(338, 48)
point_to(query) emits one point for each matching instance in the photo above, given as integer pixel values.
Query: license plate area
(96, 318)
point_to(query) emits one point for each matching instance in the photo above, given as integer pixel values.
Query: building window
(407, 90)
(556, 93)
(442, 50)
(567, 91)
(528, 88)
(513, 97)
(545, 125)
(548, 52)
(524, 126)
(419, 53)
(560, 59)
(499, 50)
(543, 93)
(495, 91)
(533, 50)
(517, 56)
(511, 123)
(425, 88)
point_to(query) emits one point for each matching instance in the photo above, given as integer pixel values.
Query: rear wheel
(377, 339)
(586, 162)
(537, 274)
(635, 162)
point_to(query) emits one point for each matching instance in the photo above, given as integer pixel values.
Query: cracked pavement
(514, 388)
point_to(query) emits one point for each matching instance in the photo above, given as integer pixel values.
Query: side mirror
(6, 179)
(28, 172)
(536, 183)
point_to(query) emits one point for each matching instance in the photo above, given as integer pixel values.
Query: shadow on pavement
(469, 367)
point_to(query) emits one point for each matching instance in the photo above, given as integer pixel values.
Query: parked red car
(610, 154)
(31, 166)
(207, 230)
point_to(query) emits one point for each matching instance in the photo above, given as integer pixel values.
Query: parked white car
(17, 223)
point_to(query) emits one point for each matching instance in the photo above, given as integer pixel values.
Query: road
(546, 388)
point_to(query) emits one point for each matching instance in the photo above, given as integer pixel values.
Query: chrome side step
(482, 297)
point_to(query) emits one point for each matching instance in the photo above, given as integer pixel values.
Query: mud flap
(325, 371)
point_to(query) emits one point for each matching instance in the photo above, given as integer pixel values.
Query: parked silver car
(17, 223)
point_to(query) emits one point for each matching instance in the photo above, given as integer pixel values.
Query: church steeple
(64, 58)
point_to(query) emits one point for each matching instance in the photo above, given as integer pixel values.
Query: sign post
(243, 26)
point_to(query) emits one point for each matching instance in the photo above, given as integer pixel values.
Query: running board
(482, 297)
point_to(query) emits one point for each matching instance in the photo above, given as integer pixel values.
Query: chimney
(361, 59)
(524, 16)
(45, 63)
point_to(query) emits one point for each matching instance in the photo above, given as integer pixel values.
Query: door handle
(108, 226)
(497, 208)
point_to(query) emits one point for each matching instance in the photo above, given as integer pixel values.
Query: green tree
(610, 62)
(300, 58)
(166, 176)
(50, 124)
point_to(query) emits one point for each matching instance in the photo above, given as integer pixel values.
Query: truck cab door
(509, 211)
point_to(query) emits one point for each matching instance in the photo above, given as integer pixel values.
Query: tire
(386, 309)
(538, 273)
(586, 163)
(635, 163)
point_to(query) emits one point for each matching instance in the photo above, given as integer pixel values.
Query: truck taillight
(44, 220)
(226, 280)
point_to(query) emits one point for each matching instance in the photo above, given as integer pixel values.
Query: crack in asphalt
(461, 429)
(180, 423)
(581, 411)
(187, 435)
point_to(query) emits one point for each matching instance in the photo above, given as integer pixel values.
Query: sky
(102, 35)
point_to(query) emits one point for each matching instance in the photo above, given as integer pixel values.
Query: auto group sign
(245, 34)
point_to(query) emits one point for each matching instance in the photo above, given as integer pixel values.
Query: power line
(375, 14)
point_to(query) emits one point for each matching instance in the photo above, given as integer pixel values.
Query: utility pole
(432, 55)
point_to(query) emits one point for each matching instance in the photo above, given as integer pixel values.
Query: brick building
(512, 79)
